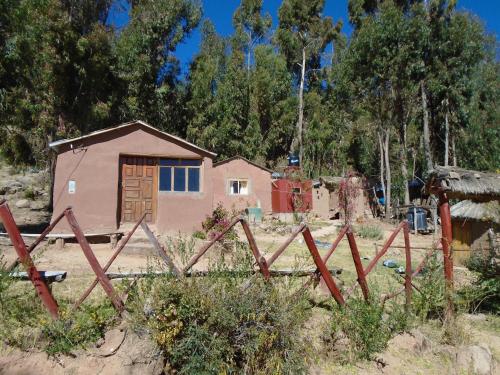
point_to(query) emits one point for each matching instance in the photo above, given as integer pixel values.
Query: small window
(296, 190)
(238, 187)
(179, 175)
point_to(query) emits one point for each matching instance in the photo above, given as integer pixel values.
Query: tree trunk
(453, 150)
(427, 137)
(404, 162)
(388, 176)
(300, 122)
(446, 135)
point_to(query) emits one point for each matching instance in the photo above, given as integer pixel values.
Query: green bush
(484, 293)
(200, 235)
(370, 232)
(26, 324)
(367, 326)
(212, 325)
(29, 193)
(429, 301)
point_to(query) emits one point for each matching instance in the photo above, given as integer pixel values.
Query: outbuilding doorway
(138, 188)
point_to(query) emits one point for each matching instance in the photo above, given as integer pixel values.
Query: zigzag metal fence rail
(321, 271)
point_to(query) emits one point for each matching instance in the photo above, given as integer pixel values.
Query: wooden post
(408, 272)
(446, 239)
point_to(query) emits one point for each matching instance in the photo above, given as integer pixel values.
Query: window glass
(244, 187)
(179, 179)
(184, 162)
(233, 187)
(165, 179)
(238, 187)
(194, 179)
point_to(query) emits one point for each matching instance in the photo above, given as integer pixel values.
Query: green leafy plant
(24, 322)
(429, 300)
(213, 325)
(371, 232)
(484, 292)
(367, 326)
(29, 193)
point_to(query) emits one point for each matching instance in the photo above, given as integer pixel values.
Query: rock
(23, 203)
(12, 187)
(37, 206)
(422, 343)
(113, 339)
(474, 359)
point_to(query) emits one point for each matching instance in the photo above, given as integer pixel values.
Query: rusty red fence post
(357, 263)
(94, 263)
(408, 272)
(261, 261)
(22, 252)
(327, 277)
(285, 244)
(108, 264)
(315, 275)
(204, 249)
(38, 240)
(446, 240)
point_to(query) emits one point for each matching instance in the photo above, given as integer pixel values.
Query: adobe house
(113, 176)
(326, 198)
(240, 183)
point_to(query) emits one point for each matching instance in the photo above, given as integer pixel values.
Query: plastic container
(254, 214)
(421, 218)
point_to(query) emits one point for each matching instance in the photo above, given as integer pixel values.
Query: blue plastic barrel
(421, 218)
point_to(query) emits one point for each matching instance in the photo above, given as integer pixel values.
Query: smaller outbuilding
(474, 226)
(326, 198)
(475, 217)
(240, 183)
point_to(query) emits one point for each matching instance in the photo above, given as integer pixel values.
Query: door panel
(138, 183)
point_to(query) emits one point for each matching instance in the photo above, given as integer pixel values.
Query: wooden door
(139, 180)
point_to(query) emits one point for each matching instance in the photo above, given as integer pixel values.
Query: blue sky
(220, 12)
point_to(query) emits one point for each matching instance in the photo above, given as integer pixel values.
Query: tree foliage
(416, 83)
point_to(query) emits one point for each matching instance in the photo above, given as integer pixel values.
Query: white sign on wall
(71, 186)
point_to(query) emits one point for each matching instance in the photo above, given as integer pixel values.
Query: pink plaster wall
(94, 165)
(259, 185)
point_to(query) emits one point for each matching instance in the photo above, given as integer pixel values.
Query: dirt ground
(401, 357)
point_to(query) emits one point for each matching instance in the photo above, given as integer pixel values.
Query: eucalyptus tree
(55, 73)
(302, 35)
(249, 21)
(147, 64)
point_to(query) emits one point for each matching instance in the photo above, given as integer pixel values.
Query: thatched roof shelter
(469, 210)
(460, 183)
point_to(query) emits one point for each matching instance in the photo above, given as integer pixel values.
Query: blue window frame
(179, 175)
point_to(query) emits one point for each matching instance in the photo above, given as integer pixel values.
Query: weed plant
(371, 232)
(484, 292)
(220, 323)
(368, 327)
(26, 324)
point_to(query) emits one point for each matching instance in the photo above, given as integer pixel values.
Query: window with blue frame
(179, 175)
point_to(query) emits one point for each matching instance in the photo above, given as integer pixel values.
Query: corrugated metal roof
(488, 211)
(55, 144)
(245, 159)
